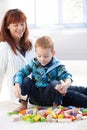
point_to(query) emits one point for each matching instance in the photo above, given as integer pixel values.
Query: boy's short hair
(44, 42)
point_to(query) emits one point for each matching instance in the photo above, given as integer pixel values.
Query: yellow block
(37, 117)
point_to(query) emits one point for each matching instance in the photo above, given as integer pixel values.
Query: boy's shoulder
(56, 61)
(34, 61)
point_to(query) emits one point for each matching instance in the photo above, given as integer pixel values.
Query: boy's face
(44, 55)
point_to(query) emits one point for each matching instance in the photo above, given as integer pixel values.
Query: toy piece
(70, 111)
(73, 114)
(37, 117)
(59, 114)
(31, 111)
(79, 117)
(22, 112)
(84, 117)
(53, 114)
(16, 118)
(28, 117)
(12, 113)
(43, 113)
(42, 119)
(56, 110)
(64, 120)
(50, 119)
(84, 112)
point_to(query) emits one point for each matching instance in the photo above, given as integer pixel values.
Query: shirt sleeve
(3, 60)
(21, 74)
(63, 74)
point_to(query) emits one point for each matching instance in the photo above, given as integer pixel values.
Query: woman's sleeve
(3, 61)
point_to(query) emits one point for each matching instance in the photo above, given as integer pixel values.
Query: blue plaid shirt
(43, 75)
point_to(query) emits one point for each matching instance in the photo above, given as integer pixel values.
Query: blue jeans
(75, 96)
(43, 96)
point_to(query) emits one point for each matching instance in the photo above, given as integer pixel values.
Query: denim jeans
(75, 96)
(43, 96)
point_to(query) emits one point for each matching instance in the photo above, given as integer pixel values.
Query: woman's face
(17, 30)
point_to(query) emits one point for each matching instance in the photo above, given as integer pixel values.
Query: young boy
(45, 88)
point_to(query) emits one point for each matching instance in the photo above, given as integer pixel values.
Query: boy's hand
(62, 88)
(17, 90)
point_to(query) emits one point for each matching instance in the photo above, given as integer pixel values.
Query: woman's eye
(15, 25)
(22, 24)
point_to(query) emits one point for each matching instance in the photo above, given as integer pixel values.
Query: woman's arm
(3, 60)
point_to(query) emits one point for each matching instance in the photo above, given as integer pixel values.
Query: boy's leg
(29, 88)
(80, 89)
(51, 95)
(75, 98)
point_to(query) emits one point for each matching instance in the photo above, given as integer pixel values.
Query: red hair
(15, 16)
(44, 42)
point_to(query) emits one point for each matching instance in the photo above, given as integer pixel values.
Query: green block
(12, 113)
(31, 120)
(84, 111)
(43, 119)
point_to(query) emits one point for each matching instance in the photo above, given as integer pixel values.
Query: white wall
(3, 8)
(70, 44)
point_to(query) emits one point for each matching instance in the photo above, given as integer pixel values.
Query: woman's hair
(44, 42)
(15, 16)
(0, 36)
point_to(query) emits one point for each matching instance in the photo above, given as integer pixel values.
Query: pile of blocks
(50, 114)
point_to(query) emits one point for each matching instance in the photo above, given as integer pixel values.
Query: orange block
(23, 112)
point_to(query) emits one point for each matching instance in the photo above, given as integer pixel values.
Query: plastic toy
(58, 114)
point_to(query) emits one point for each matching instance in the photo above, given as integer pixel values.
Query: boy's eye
(46, 56)
(39, 56)
(43, 56)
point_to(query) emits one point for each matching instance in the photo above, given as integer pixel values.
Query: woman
(15, 47)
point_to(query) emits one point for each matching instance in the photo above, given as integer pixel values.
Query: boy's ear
(54, 53)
